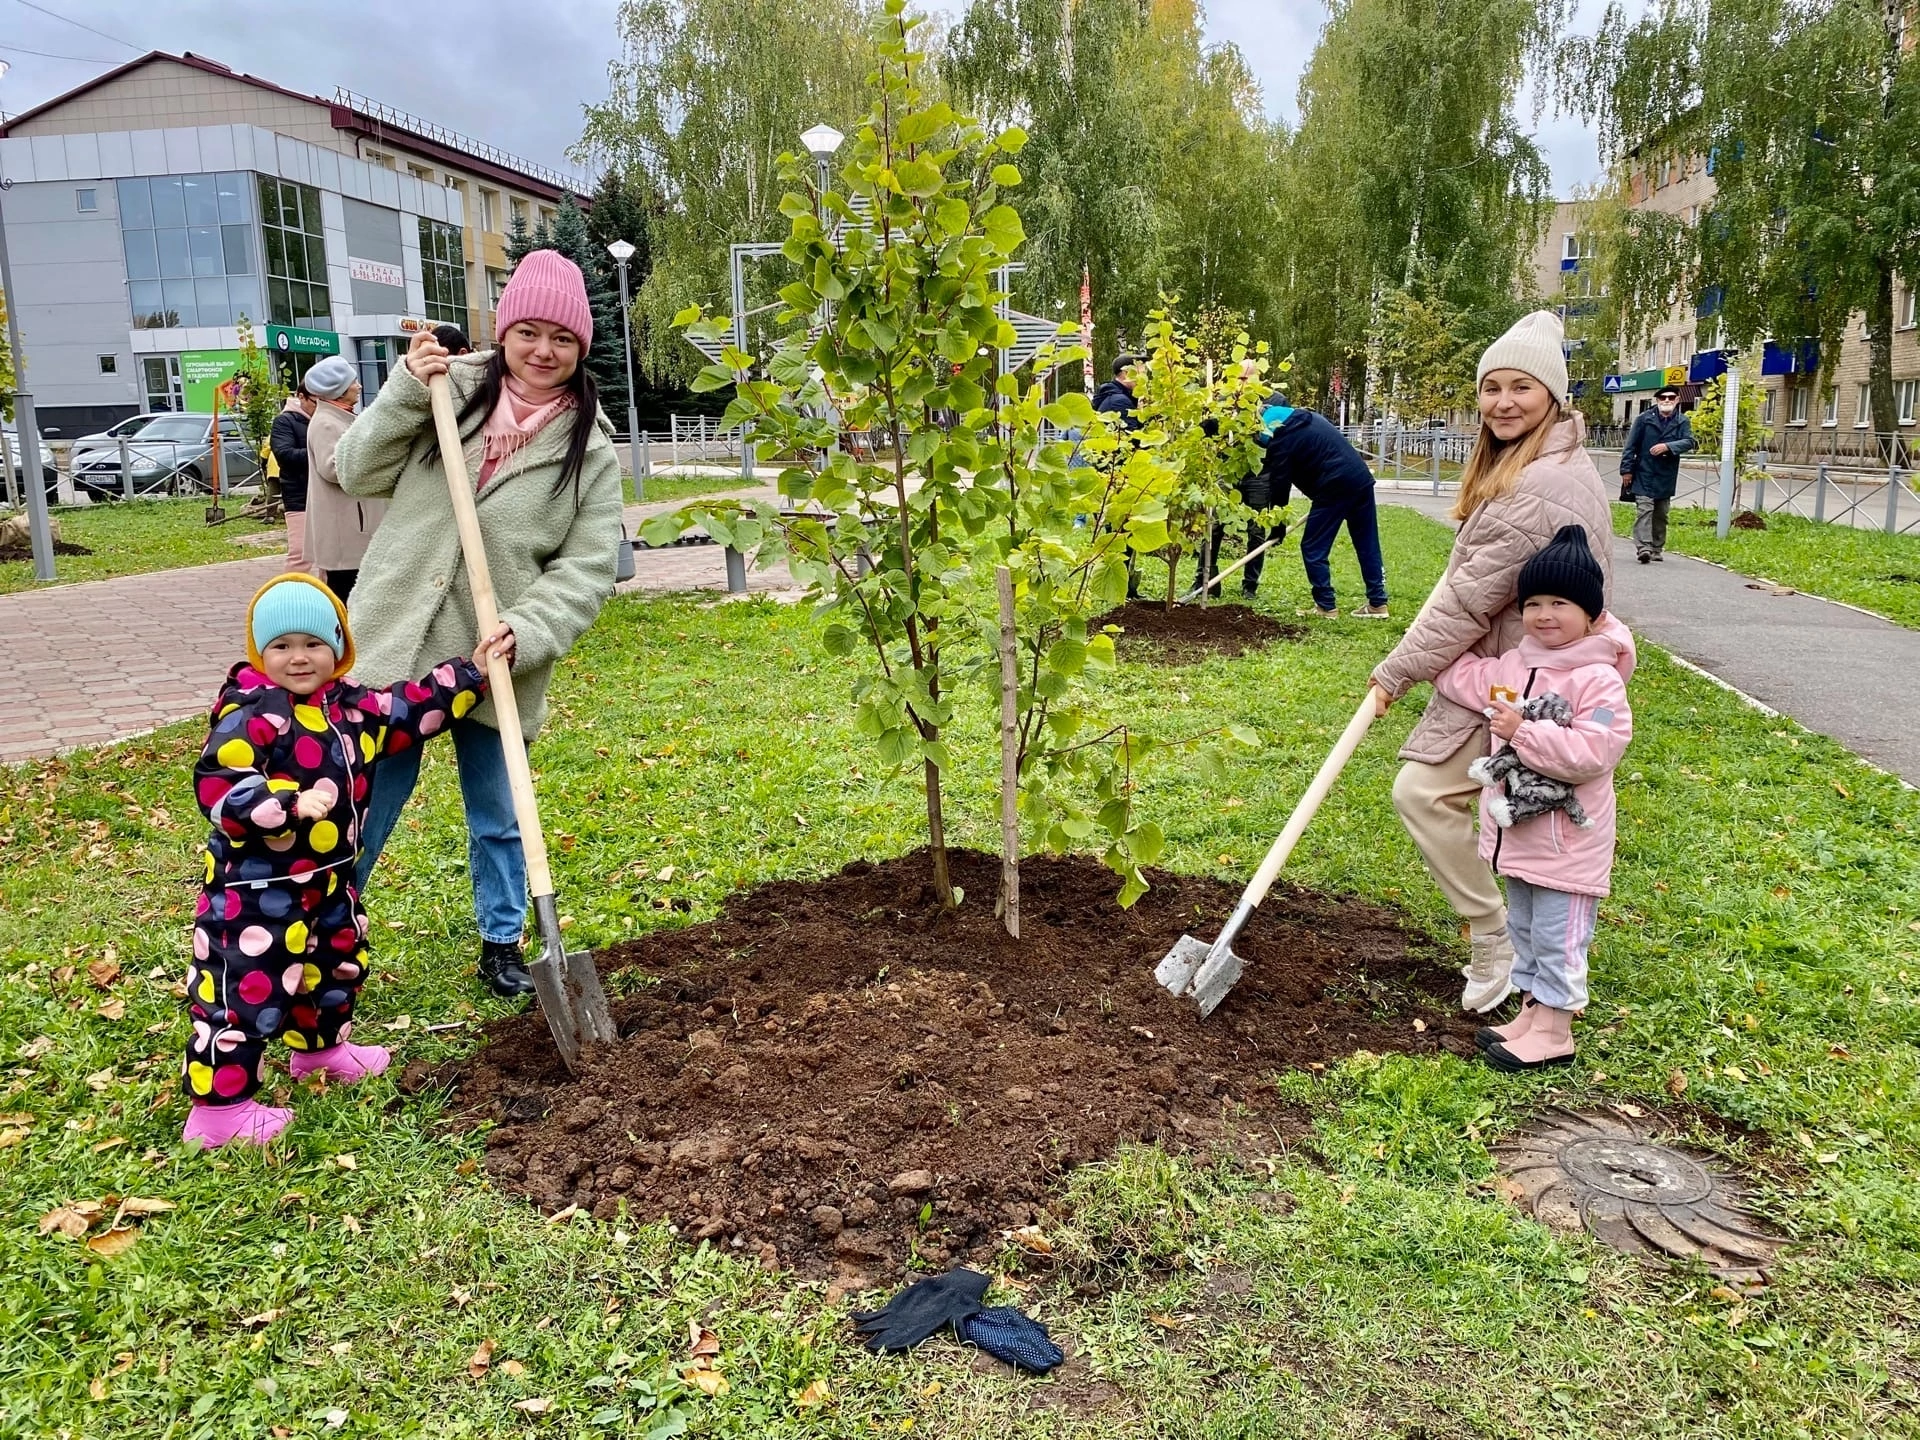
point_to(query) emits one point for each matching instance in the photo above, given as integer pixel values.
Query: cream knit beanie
(1534, 345)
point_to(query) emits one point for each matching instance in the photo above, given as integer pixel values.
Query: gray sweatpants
(1650, 525)
(1550, 930)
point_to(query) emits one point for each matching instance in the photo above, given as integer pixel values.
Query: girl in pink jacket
(1556, 870)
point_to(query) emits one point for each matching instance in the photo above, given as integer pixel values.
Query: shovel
(1208, 972)
(566, 984)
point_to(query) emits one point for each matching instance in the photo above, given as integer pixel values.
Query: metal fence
(1834, 494)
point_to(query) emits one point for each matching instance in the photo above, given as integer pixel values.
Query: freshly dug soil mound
(1188, 633)
(836, 1074)
(1749, 520)
(23, 549)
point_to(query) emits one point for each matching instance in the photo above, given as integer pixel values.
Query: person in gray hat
(338, 525)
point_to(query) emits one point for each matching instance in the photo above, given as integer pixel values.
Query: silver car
(109, 438)
(15, 459)
(173, 455)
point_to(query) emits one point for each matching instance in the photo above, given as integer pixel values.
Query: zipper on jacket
(1500, 834)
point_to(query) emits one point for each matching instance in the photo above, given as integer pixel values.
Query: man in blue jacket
(1650, 470)
(1307, 450)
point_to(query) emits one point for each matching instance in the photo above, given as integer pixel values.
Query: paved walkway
(103, 660)
(1838, 671)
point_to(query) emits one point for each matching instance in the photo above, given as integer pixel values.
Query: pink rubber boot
(344, 1063)
(1549, 1042)
(1505, 1034)
(250, 1122)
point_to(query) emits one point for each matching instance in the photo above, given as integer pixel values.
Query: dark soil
(834, 1074)
(1748, 520)
(1188, 633)
(23, 549)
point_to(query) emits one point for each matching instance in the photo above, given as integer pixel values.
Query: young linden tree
(894, 336)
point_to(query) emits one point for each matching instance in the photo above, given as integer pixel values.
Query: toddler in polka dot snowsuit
(279, 937)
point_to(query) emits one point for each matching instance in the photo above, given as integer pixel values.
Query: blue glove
(1014, 1337)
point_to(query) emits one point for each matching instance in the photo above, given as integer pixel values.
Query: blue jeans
(494, 857)
(1355, 510)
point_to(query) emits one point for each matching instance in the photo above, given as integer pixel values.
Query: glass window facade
(190, 250)
(296, 255)
(443, 272)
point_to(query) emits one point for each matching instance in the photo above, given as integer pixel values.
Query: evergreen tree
(606, 359)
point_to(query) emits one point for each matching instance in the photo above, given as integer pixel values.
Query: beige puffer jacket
(1475, 610)
(339, 525)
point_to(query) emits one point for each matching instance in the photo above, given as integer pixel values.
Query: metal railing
(160, 469)
(426, 130)
(1834, 494)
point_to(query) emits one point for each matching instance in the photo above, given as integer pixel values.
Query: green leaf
(917, 128)
(1146, 842)
(922, 178)
(953, 215)
(1244, 735)
(936, 751)
(1008, 175)
(1012, 140)
(1003, 229)
(838, 639)
(686, 317)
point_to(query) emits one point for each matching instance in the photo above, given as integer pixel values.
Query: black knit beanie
(1566, 569)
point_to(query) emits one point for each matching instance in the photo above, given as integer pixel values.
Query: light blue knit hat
(296, 605)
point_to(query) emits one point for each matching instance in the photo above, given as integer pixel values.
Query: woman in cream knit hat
(1528, 476)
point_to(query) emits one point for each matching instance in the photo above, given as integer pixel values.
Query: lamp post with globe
(622, 252)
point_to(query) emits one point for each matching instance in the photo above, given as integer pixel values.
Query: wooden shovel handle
(513, 743)
(1303, 813)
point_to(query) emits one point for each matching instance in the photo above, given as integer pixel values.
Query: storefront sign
(1641, 380)
(285, 340)
(376, 272)
(413, 325)
(200, 372)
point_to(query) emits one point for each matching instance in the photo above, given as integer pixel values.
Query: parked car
(109, 438)
(15, 456)
(173, 455)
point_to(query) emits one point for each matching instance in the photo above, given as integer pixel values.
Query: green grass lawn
(1868, 568)
(1762, 946)
(132, 538)
(682, 487)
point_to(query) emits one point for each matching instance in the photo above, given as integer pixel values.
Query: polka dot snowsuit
(279, 938)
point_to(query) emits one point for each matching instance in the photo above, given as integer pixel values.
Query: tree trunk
(1173, 576)
(1009, 759)
(1880, 358)
(937, 830)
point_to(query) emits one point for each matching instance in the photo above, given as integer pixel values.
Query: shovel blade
(1192, 968)
(592, 1015)
(549, 971)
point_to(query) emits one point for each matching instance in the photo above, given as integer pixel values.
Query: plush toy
(1523, 792)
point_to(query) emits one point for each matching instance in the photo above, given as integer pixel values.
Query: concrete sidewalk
(1841, 672)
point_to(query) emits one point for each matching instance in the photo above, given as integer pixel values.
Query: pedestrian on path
(1650, 470)
(1557, 869)
(288, 441)
(279, 938)
(1306, 450)
(339, 526)
(549, 502)
(1528, 475)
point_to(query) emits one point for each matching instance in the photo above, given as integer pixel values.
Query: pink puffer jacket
(1474, 612)
(1591, 676)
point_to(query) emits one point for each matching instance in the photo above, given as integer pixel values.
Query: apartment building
(155, 206)
(1687, 346)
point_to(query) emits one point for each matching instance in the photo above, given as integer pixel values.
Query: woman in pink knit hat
(549, 498)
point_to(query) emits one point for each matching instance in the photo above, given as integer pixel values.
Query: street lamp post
(32, 475)
(622, 252)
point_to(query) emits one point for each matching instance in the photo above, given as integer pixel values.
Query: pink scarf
(520, 415)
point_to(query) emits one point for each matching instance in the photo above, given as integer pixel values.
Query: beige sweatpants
(296, 540)
(1438, 805)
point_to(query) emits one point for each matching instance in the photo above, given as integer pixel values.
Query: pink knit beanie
(546, 286)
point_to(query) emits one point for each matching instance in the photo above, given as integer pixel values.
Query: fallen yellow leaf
(102, 973)
(931, 1390)
(113, 1010)
(116, 1241)
(1677, 1083)
(481, 1360)
(67, 1220)
(710, 1383)
(262, 1320)
(97, 1388)
(346, 1162)
(817, 1393)
(513, 1369)
(534, 1405)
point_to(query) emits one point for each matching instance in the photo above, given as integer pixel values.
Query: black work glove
(1277, 532)
(1626, 489)
(922, 1309)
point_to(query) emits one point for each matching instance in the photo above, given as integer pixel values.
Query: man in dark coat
(1650, 469)
(1115, 397)
(1307, 450)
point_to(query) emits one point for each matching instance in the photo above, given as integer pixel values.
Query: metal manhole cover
(1635, 1192)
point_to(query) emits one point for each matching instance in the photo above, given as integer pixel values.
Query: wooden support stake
(1009, 759)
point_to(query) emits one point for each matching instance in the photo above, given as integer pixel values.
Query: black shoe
(1645, 558)
(1660, 558)
(504, 970)
(1248, 592)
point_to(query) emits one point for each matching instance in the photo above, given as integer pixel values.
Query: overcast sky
(511, 74)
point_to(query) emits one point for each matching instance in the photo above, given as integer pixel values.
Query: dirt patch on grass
(836, 1075)
(1749, 520)
(1188, 633)
(23, 549)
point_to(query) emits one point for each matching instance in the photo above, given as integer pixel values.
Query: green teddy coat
(552, 561)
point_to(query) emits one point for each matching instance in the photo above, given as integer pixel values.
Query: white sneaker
(1489, 974)
(1370, 612)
